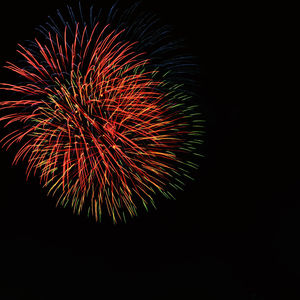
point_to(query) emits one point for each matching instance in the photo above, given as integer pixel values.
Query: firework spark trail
(98, 122)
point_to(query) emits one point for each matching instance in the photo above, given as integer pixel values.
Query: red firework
(96, 123)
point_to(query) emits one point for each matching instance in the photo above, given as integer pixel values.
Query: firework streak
(106, 116)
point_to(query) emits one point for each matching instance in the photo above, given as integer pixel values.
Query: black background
(233, 233)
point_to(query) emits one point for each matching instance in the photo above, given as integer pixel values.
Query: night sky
(232, 234)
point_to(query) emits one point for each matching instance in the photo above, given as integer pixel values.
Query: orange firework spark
(97, 122)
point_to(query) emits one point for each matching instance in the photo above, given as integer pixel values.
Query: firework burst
(106, 115)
